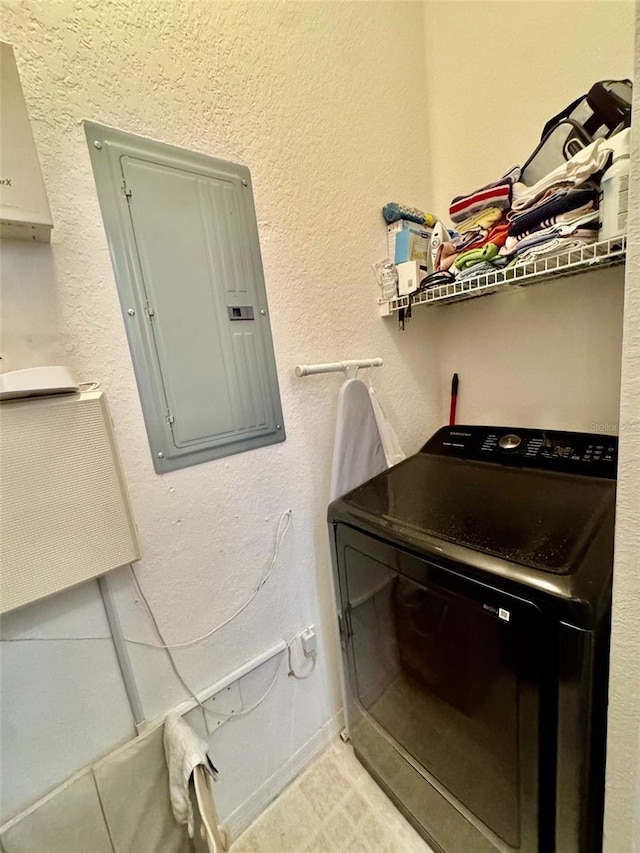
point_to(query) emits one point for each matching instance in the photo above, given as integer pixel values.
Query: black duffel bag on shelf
(602, 112)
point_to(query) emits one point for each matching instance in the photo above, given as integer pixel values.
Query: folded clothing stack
(560, 211)
(496, 196)
(507, 222)
(482, 226)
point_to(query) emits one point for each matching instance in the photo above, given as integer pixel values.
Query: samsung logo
(465, 434)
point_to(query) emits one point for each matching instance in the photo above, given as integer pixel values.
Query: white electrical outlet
(297, 660)
(303, 652)
(309, 640)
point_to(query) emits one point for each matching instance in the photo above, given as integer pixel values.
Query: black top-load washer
(474, 599)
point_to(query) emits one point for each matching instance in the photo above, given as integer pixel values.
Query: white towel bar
(349, 368)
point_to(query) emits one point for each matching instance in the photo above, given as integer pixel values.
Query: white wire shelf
(606, 253)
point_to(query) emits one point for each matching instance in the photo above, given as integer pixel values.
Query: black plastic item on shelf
(432, 280)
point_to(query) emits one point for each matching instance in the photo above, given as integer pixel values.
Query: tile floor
(334, 807)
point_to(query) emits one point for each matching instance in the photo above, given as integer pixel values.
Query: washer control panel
(570, 452)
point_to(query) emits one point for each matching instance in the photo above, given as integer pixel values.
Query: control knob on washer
(510, 442)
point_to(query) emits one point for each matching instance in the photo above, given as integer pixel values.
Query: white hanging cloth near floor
(187, 758)
(365, 443)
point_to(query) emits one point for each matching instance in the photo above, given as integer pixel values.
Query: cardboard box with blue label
(408, 241)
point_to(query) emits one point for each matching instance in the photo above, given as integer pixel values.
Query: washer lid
(537, 518)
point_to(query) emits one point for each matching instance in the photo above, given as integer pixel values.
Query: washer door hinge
(170, 418)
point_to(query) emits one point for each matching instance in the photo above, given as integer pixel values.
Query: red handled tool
(454, 400)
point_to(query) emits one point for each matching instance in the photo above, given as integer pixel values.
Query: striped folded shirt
(586, 213)
(556, 246)
(497, 194)
(564, 200)
(587, 233)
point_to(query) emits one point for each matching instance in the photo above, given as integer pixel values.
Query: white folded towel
(184, 751)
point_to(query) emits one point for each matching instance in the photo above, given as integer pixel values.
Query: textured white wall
(550, 356)
(622, 813)
(319, 100)
(498, 71)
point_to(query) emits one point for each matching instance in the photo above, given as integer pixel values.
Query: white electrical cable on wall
(280, 534)
(281, 531)
(205, 710)
(313, 657)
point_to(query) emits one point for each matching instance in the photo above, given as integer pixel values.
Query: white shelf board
(605, 253)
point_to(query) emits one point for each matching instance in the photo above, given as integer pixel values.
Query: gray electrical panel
(183, 238)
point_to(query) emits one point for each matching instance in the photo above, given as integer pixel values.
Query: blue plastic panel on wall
(184, 245)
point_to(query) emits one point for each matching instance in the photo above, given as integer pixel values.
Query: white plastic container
(409, 275)
(614, 190)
